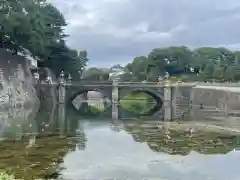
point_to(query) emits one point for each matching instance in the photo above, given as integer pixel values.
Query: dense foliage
(95, 74)
(36, 28)
(206, 63)
(202, 64)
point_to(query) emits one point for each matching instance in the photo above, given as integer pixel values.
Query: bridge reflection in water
(38, 143)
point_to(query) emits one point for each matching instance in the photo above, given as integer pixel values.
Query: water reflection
(15, 121)
(33, 145)
(181, 141)
(152, 150)
(50, 144)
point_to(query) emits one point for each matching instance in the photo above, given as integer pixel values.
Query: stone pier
(167, 102)
(115, 102)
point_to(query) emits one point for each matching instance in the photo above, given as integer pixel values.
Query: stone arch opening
(142, 102)
(90, 102)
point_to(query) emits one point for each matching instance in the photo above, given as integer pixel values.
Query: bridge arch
(73, 90)
(156, 94)
(72, 93)
(75, 94)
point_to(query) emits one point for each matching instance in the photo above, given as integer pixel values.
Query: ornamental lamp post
(36, 76)
(62, 74)
(49, 80)
(69, 78)
(167, 82)
(81, 75)
(166, 75)
(62, 77)
(160, 79)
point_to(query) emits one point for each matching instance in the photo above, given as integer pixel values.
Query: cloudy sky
(114, 31)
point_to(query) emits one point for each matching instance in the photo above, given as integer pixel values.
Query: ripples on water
(43, 146)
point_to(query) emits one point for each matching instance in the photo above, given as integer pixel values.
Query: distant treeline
(202, 64)
(206, 63)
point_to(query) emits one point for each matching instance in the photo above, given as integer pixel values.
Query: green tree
(173, 60)
(95, 74)
(17, 31)
(140, 69)
(36, 28)
(127, 76)
(206, 63)
(212, 62)
(233, 69)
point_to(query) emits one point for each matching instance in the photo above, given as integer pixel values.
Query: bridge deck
(153, 85)
(121, 84)
(230, 89)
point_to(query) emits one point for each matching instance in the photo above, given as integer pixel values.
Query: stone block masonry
(215, 102)
(16, 87)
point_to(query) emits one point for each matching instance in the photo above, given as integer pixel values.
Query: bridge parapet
(89, 83)
(124, 84)
(92, 82)
(225, 84)
(154, 84)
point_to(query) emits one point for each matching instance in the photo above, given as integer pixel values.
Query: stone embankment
(16, 86)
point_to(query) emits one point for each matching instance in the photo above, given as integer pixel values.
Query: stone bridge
(172, 100)
(208, 101)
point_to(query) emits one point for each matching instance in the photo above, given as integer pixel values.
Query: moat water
(37, 145)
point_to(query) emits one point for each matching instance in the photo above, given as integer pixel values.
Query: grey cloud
(118, 31)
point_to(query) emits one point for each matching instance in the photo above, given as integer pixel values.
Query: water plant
(5, 176)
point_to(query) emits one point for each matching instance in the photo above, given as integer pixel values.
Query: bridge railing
(225, 84)
(96, 83)
(125, 82)
(92, 82)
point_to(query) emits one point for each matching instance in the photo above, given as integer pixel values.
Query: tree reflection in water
(34, 145)
(37, 151)
(179, 141)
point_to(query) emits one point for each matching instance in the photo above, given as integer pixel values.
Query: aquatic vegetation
(5, 176)
(176, 141)
(40, 161)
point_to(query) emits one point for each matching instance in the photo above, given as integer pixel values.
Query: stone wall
(213, 103)
(16, 85)
(181, 96)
